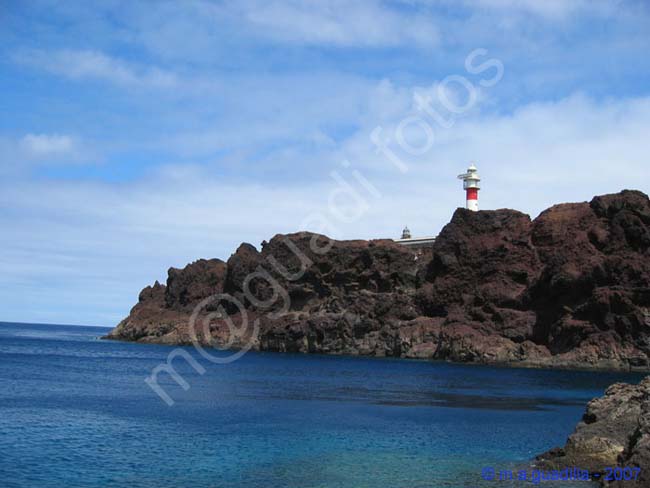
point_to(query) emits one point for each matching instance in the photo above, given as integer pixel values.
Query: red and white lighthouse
(471, 186)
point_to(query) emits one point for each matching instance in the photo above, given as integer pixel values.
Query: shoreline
(567, 290)
(496, 364)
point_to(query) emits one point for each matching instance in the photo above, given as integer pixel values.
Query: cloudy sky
(141, 135)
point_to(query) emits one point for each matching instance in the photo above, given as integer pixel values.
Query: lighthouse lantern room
(471, 186)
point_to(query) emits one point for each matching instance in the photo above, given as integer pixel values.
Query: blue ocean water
(75, 411)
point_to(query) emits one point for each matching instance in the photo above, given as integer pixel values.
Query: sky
(139, 135)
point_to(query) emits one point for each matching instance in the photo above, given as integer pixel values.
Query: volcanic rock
(614, 431)
(568, 289)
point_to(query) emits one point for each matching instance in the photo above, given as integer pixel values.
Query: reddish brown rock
(200, 279)
(592, 293)
(150, 320)
(569, 289)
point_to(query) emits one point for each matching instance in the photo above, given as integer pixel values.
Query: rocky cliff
(568, 289)
(614, 431)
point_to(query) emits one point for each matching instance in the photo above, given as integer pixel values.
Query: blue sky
(141, 135)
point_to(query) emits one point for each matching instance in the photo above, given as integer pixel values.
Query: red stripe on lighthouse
(472, 193)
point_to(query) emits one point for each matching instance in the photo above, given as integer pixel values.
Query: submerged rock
(568, 289)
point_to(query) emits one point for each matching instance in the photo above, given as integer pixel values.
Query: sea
(78, 411)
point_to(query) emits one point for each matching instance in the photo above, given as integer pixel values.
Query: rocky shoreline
(569, 289)
(614, 432)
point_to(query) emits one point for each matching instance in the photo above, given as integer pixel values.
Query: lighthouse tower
(471, 186)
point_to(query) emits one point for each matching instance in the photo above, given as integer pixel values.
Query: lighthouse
(471, 186)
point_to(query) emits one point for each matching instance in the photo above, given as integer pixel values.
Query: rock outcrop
(568, 289)
(614, 431)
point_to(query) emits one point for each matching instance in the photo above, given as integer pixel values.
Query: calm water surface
(75, 412)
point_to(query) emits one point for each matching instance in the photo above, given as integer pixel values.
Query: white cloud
(89, 64)
(20, 153)
(45, 145)
(197, 30)
(545, 8)
(340, 23)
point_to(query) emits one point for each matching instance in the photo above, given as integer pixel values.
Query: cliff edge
(568, 289)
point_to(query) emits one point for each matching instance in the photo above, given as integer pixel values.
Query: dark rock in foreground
(568, 289)
(614, 431)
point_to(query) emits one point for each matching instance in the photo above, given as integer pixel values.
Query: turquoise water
(75, 411)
